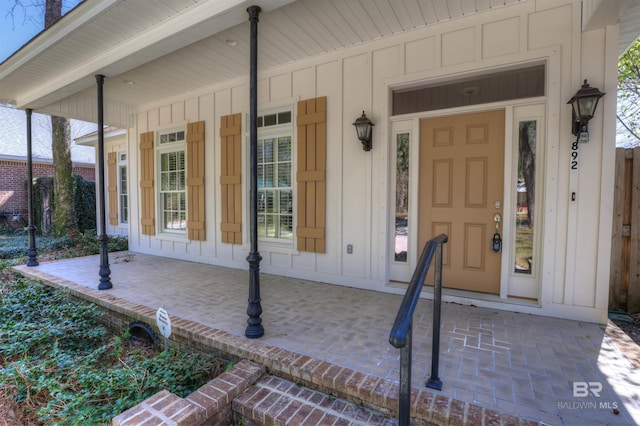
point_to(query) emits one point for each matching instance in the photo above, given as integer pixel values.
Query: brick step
(277, 401)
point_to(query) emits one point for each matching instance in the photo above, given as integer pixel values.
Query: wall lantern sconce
(584, 104)
(364, 127)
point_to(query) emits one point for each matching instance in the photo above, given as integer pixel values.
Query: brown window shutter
(311, 175)
(195, 181)
(231, 178)
(112, 187)
(147, 195)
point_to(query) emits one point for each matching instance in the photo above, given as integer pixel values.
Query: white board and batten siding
(573, 275)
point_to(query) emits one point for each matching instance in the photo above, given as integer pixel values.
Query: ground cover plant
(62, 366)
(13, 245)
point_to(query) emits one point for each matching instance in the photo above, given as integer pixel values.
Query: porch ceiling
(152, 50)
(170, 47)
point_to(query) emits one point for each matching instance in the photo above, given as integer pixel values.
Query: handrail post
(401, 336)
(405, 379)
(434, 381)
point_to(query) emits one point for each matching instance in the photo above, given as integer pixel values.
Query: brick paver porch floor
(523, 364)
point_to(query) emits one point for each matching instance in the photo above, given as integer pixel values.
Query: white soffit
(600, 13)
(109, 37)
(629, 26)
(152, 50)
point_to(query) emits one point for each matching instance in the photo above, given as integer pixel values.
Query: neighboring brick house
(13, 157)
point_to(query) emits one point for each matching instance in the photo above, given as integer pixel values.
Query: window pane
(260, 153)
(123, 180)
(164, 162)
(270, 201)
(402, 197)
(262, 201)
(284, 175)
(122, 187)
(271, 226)
(286, 202)
(270, 120)
(164, 182)
(286, 226)
(182, 182)
(268, 150)
(284, 117)
(260, 174)
(268, 176)
(284, 149)
(170, 163)
(262, 226)
(525, 196)
(500, 86)
(124, 209)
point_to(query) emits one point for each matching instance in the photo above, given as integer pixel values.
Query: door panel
(460, 190)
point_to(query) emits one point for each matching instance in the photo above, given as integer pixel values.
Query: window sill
(277, 246)
(165, 236)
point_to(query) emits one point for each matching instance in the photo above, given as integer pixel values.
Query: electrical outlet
(349, 248)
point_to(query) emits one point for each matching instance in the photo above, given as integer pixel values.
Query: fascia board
(92, 139)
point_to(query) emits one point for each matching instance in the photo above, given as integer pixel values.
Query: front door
(460, 191)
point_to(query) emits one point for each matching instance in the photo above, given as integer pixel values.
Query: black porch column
(105, 271)
(254, 310)
(32, 252)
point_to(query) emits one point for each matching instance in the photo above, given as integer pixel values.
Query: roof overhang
(27, 81)
(109, 134)
(600, 13)
(137, 45)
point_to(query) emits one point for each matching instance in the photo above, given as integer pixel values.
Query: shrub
(84, 199)
(85, 203)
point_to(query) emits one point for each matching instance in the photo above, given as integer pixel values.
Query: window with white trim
(172, 177)
(275, 173)
(123, 197)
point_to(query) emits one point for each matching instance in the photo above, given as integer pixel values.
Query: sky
(20, 26)
(21, 20)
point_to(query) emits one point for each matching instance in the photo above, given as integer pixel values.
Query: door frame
(400, 272)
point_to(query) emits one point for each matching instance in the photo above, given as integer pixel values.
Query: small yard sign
(164, 325)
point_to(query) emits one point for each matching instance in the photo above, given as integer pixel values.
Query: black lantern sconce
(364, 126)
(584, 104)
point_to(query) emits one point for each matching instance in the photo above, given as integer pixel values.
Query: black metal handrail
(401, 332)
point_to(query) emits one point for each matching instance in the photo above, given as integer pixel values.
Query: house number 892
(574, 156)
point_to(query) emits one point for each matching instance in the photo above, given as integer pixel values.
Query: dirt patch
(625, 332)
(10, 414)
(631, 328)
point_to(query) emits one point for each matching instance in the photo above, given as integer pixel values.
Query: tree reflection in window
(402, 197)
(525, 195)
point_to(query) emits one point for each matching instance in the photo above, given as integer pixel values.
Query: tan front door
(461, 187)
